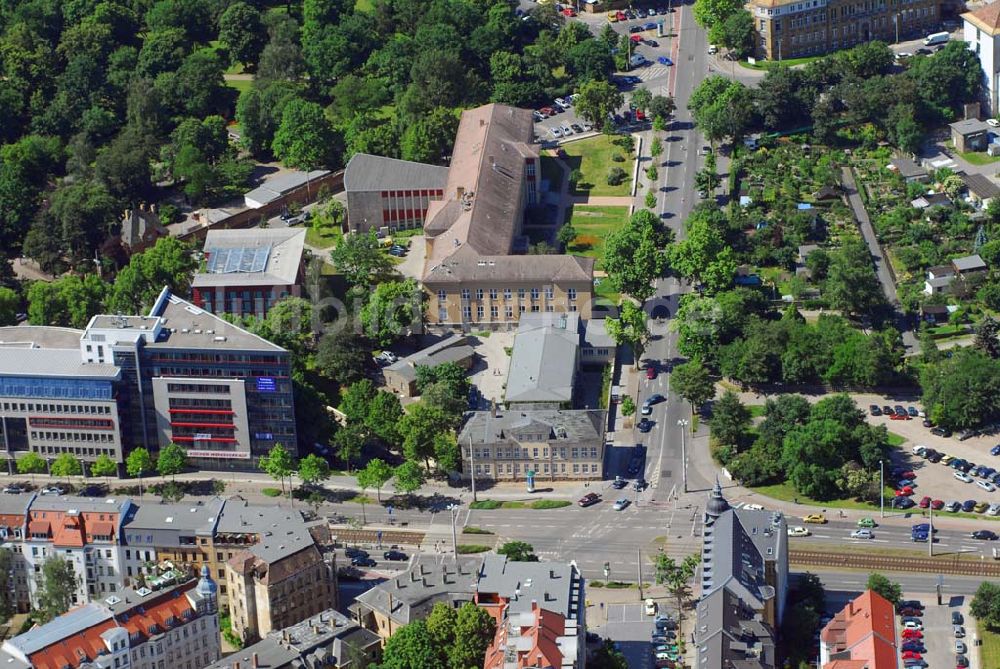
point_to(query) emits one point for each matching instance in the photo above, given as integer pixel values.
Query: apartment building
(553, 444)
(13, 512)
(387, 194)
(84, 531)
(175, 628)
(796, 28)
(540, 611)
(744, 585)
(328, 639)
(981, 31)
(247, 271)
(280, 570)
(192, 378)
(476, 273)
(181, 534)
(53, 402)
(862, 634)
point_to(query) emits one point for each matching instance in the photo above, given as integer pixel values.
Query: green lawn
(592, 224)
(786, 492)
(896, 440)
(990, 653)
(788, 62)
(592, 157)
(364, 6)
(757, 410)
(239, 84)
(324, 237)
(978, 158)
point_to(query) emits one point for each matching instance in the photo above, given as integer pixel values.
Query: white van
(936, 38)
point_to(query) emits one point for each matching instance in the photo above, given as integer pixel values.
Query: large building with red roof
(176, 628)
(861, 636)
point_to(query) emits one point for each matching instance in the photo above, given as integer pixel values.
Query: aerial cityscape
(496, 334)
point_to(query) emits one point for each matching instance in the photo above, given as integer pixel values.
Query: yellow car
(613, 17)
(945, 459)
(815, 518)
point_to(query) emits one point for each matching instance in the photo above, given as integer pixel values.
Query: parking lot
(630, 627)
(939, 639)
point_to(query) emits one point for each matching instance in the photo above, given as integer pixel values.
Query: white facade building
(981, 30)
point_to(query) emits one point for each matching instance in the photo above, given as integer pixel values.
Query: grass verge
(470, 549)
(239, 84)
(471, 529)
(787, 62)
(488, 504)
(271, 492)
(896, 440)
(990, 653)
(978, 158)
(787, 493)
(360, 499)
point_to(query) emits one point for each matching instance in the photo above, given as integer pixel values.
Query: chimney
(390, 601)
(552, 574)
(459, 192)
(255, 661)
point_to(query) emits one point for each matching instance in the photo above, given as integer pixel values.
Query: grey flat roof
(595, 334)
(543, 365)
(940, 281)
(67, 363)
(274, 188)
(11, 504)
(72, 502)
(284, 257)
(195, 517)
(203, 330)
(365, 172)
(970, 126)
(114, 322)
(482, 427)
(554, 586)
(70, 623)
(40, 336)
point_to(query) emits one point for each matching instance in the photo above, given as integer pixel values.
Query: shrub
(618, 158)
(618, 585)
(549, 504)
(575, 177)
(475, 530)
(652, 173)
(596, 584)
(468, 549)
(271, 492)
(628, 406)
(616, 176)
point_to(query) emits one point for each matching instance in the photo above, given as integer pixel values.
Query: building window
(507, 293)
(442, 295)
(442, 314)
(494, 312)
(571, 293)
(467, 312)
(550, 292)
(479, 293)
(480, 312)
(510, 312)
(534, 293)
(520, 293)
(493, 293)
(466, 294)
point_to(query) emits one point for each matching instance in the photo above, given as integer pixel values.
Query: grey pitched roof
(283, 247)
(728, 635)
(907, 168)
(554, 586)
(969, 126)
(322, 636)
(283, 532)
(449, 349)
(737, 545)
(200, 518)
(969, 263)
(466, 265)
(980, 185)
(71, 622)
(87, 504)
(543, 365)
(482, 427)
(414, 592)
(275, 187)
(365, 172)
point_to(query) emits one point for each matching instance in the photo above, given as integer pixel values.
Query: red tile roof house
(861, 636)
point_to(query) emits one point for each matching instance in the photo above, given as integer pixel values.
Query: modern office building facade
(797, 28)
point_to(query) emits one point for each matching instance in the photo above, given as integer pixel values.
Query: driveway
(489, 374)
(412, 266)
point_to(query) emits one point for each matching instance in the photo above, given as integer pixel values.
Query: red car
(912, 655)
(937, 504)
(636, 39)
(908, 475)
(639, 115)
(924, 502)
(650, 372)
(569, 11)
(905, 491)
(913, 634)
(546, 111)
(621, 16)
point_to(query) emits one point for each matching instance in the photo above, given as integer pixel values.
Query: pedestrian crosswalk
(654, 72)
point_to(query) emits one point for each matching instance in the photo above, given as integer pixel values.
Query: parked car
(924, 502)
(913, 412)
(903, 502)
(993, 510)
(958, 631)
(590, 499)
(875, 410)
(937, 504)
(957, 618)
(13, 489)
(941, 432)
(618, 483)
(963, 477)
(650, 371)
(988, 487)
(52, 490)
(655, 398)
(960, 647)
(395, 556)
(995, 450)
(968, 505)
(961, 661)
(363, 562)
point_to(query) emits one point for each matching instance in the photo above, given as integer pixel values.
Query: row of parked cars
(986, 478)
(913, 648)
(663, 643)
(640, 13)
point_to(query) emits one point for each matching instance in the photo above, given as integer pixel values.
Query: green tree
(677, 578)
(10, 304)
(384, 413)
(313, 470)
(730, 419)
(349, 441)
(419, 429)
(693, 382)
(355, 401)
(567, 233)
(304, 139)
(412, 647)
(710, 14)
(171, 461)
(361, 260)
(641, 98)
(962, 391)
(242, 30)
(890, 590)
(985, 604)
(518, 551)
(632, 255)
(630, 328)
(655, 147)
(259, 110)
(138, 462)
(104, 466)
(474, 631)
(597, 99)
(441, 624)
(168, 263)
(66, 465)
(650, 200)
(375, 475)
(57, 586)
(661, 107)
(721, 107)
(736, 34)
(278, 464)
(393, 308)
(409, 477)
(31, 463)
(851, 284)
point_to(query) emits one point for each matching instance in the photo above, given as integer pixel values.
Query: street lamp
(881, 488)
(455, 509)
(684, 460)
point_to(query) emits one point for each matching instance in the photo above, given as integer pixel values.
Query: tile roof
(466, 265)
(986, 18)
(365, 172)
(865, 629)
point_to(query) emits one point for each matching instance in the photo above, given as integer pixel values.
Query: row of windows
(508, 293)
(46, 449)
(207, 388)
(81, 423)
(101, 437)
(515, 468)
(51, 388)
(495, 311)
(58, 408)
(515, 452)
